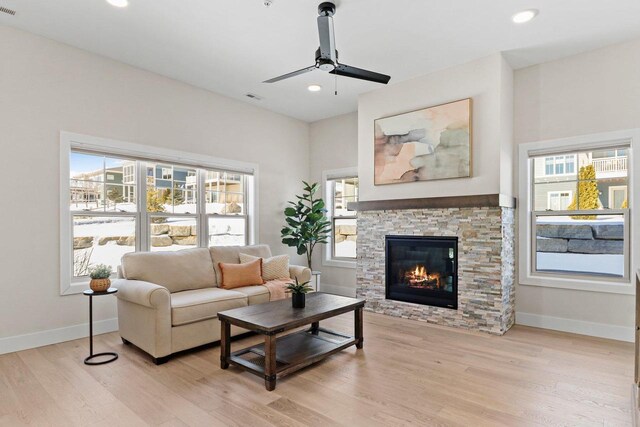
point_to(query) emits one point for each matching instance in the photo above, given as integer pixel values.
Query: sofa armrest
(143, 293)
(302, 273)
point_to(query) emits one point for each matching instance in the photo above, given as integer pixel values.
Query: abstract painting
(424, 145)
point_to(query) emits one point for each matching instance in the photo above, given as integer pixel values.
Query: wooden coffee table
(281, 356)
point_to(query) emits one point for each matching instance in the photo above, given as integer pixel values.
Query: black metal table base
(113, 356)
(89, 361)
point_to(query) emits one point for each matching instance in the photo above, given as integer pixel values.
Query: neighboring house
(556, 178)
(118, 183)
(166, 177)
(97, 188)
(220, 187)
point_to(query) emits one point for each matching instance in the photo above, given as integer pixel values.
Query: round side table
(315, 275)
(113, 356)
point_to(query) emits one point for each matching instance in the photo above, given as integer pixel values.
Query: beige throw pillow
(276, 267)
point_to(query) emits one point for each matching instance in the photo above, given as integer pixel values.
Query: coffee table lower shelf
(293, 351)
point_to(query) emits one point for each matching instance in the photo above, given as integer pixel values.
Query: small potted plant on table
(100, 281)
(298, 292)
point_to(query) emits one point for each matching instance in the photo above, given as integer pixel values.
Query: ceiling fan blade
(327, 39)
(359, 73)
(289, 75)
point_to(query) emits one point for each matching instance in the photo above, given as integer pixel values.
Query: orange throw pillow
(238, 275)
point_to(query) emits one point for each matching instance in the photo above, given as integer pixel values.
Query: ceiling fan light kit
(118, 3)
(327, 55)
(524, 16)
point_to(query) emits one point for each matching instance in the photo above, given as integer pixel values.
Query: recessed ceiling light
(524, 16)
(118, 3)
(314, 88)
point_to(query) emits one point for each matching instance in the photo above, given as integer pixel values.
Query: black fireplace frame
(435, 298)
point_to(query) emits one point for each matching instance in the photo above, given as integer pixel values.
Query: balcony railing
(610, 165)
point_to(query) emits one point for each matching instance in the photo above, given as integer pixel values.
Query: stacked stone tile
(486, 264)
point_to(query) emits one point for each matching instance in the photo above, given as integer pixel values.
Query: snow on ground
(582, 263)
(346, 249)
(222, 232)
(608, 219)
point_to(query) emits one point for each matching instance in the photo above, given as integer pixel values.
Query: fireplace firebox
(422, 270)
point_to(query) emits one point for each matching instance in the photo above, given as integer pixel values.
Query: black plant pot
(298, 300)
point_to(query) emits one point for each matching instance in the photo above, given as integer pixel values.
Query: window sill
(623, 286)
(338, 263)
(75, 288)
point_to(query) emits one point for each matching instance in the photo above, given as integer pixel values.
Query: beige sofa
(168, 301)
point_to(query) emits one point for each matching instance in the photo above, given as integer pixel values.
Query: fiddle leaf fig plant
(306, 222)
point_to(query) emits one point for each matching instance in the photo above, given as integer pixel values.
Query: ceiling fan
(327, 55)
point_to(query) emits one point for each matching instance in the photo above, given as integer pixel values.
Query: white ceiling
(231, 46)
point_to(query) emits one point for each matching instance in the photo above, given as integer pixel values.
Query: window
(344, 221)
(340, 192)
(104, 223)
(172, 209)
(559, 200)
(571, 243)
(559, 165)
(576, 219)
(618, 198)
(225, 195)
(174, 206)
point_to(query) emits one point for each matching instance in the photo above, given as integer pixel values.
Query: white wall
(592, 92)
(334, 145)
(488, 82)
(46, 87)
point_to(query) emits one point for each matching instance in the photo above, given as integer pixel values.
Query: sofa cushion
(256, 294)
(202, 304)
(231, 255)
(276, 267)
(238, 275)
(177, 271)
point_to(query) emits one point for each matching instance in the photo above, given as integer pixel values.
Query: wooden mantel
(475, 201)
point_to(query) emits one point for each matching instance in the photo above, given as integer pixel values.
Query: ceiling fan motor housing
(325, 64)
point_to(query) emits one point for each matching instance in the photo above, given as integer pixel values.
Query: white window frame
(618, 188)
(564, 162)
(73, 141)
(557, 193)
(527, 276)
(327, 259)
(166, 173)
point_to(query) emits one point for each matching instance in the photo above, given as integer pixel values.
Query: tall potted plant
(306, 222)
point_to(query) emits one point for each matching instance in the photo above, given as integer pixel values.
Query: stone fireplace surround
(485, 229)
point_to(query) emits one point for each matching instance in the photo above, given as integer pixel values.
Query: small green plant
(298, 288)
(100, 271)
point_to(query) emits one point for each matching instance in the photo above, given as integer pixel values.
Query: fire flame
(419, 276)
(420, 271)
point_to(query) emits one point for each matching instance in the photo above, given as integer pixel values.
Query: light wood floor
(409, 373)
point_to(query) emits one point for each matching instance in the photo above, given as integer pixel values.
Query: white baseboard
(346, 291)
(601, 330)
(54, 336)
